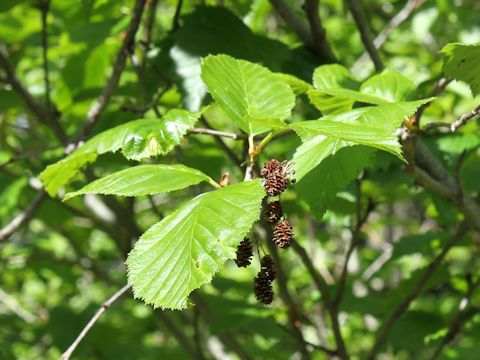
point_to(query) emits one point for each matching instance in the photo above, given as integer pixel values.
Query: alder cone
(283, 234)
(268, 267)
(275, 184)
(244, 253)
(262, 288)
(274, 212)
(270, 167)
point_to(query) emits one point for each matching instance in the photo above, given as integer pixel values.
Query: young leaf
(136, 139)
(185, 249)
(336, 90)
(298, 86)
(390, 86)
(249, 94)
(327, 77)
(358, 132)
(461, 61)
(143, 180)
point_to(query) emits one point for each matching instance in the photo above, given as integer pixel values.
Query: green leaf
(389, 86)
(327, 77)
(185, 249)
(461, 62)
(312, 152)
(358, 133)
(320, 186)
(143, 180)
(136, 139)
(298, 86)
(199, 37)
(249, 94)
(336, 90)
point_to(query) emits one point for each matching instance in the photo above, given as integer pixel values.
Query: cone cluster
(244, 253)
(262, 284)
(276, 176)
(273, 212)
(283, 234)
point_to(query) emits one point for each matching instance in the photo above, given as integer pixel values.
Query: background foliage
(73, 70)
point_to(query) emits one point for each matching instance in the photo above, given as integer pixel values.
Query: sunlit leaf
(185, 249)
(248, 93)
(136, 139)
(143, 180)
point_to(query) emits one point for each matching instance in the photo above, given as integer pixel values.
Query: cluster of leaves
(341, 133)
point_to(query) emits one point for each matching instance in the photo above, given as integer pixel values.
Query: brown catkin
(275, 184)
(262, 288)
(268, 267)
(244, 253)
(270, 166)
(273, 212)
(283, 234)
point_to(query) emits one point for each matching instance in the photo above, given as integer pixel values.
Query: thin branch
(12, 303)
(430, 173)
(43, 114)
(414, 293)
(465, 118)
(365, 34)
(395, 22)
(465, 312)
(218, 139)
(229, 135)
(66, 355)
(319, 35)
(293, 21)
(22, 218)
(176, 16)
(327, 299)
(44, 8)
(360, 221)
(439, 86)
(148, 29)
(100, 104)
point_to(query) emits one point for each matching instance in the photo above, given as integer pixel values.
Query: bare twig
(217, 133)
(22, 218)
(395, 22)
(327, 299)
(66, 355)
(97, 108)
(319, 35)
(218, 139)
(465, 118)
(43, 114)
(414, 293)
(365, 34)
